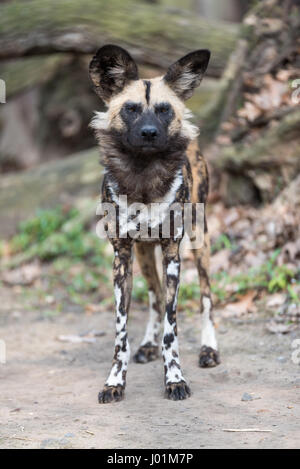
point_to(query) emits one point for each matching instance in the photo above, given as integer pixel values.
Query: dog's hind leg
(148, 349)
(122, 271)
(209, 355)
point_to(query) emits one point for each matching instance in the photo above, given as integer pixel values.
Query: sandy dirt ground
(49, 388)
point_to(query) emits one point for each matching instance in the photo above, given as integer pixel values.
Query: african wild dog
(150, 155)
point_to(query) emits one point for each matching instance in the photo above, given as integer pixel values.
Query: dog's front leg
(176, 387)
(122, 271)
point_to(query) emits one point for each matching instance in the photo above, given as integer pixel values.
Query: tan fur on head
(135, 92)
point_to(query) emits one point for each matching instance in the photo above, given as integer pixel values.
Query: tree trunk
(156, 35)
(258, 138)
(256, 173)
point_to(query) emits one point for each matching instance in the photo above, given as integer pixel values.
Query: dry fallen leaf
(250, 111)
(91, 308)
(243, 306)
(24, 275)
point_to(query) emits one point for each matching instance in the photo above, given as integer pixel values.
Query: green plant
(140, 289)
(188, 292)
(222, 242)
(280, 278)
(85, 282)
(54, 233)
(40, 227)
(293, 295)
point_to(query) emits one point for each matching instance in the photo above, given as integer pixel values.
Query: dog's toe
(177, 391)
(146, 353)
(111, 394)
(208, 357)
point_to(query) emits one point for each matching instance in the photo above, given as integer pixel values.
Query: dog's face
(145, 114)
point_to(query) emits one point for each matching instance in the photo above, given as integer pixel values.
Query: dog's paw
(208, 357)
(111, 394)
(177, 391)
(146, 353)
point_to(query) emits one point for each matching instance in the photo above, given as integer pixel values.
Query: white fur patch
(153, 325)
(188, 129)
(171, 353)
(117, 70)
(173, 373)
(117, 297)
(100, 121)
(116, 375)
(208, 335)
(185, 80)
(173, 268)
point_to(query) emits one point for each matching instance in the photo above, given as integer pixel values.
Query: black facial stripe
(148, 87)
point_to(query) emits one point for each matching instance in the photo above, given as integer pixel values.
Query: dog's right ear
(111, 69)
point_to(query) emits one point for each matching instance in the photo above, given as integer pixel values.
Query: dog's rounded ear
(186, 74)
(110, 70)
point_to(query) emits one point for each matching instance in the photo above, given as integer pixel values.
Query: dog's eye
(131, 108)
(163, 108)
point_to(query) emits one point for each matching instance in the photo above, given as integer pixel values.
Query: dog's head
(146, 115)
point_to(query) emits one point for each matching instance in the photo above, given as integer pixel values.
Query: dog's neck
(142, 178)
(145, 185)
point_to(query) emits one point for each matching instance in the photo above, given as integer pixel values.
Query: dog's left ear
(186, 74)
(111, 69)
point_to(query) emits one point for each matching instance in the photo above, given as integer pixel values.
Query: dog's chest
(150, 221)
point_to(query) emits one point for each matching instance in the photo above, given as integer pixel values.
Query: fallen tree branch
(156, 35)
(245, 430)
(46, 186)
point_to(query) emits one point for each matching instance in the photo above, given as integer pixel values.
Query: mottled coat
(150, 154)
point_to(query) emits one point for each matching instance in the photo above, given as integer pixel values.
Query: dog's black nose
(149, 132)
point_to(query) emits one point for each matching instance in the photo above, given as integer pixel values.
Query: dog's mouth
(143, 147)
(148, 148)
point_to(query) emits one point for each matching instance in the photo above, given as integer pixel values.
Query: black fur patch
(168, 340)
(111, 69)
(148, 87)
(193, 67)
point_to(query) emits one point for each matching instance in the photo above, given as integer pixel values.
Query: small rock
(248, 397)
(281, 359)
(55, 443)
